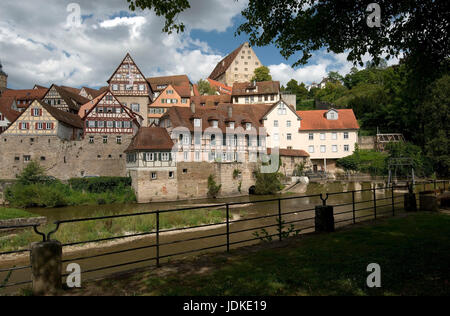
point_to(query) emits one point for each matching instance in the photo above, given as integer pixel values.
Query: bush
(213, 188)
(100, 184)
(267, 183)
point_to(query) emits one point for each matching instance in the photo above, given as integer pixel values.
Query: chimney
(230, 111)
(193, 107)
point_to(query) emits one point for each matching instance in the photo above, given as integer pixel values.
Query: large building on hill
(238, 66)
(131, 88)
(3, 79)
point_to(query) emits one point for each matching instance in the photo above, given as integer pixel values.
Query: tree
(204, 88)
(32, 174)
(436, 113)
(335, 77)
(262, 74)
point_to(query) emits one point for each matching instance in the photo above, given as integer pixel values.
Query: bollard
(324, 219)
(410, 202)
(46, 266)
(428, 202)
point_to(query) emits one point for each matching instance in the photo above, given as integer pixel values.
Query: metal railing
(359, 205)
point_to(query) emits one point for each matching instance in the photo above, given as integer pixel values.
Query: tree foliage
(262, 74)
(204, 88)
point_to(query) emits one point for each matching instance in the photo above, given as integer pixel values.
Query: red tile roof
(151, 138)
(290, 152)
(316, 120)
(5, 108)
(211, 100)
(224, 64)
(27, 95)
(178, 80)
(263, 87)
(221, 88)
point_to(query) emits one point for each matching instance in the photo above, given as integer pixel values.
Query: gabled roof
(6, 109)
(123, 60)
(183, 91)
(316, 120)
(177, 80)
(151, 138)
(85, 108)
(68, 96)
(220, 86)
(93, 92)
(25, 94)
(241, 113)
(290, 107)
(263, 87)
(225, 63)
(211, 100)
(71, 89)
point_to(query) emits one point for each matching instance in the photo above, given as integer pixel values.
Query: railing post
(228, 228)
(375, 202)
(393, 200)
(353, 207)
(46, 267)
(280, 224)
(157, 238)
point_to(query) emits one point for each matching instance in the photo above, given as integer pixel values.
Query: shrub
(267, 183)
(100, 184)
(213, 188)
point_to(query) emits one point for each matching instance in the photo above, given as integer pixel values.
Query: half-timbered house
(64, 99)
(130, 87)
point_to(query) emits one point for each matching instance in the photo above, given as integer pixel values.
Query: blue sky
(46, 48)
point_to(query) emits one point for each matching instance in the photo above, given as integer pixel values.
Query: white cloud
(43, 49)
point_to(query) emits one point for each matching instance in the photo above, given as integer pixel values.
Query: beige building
(131, 88)
(239, 66)
(3, 80)
(328, 135)
(265, 92)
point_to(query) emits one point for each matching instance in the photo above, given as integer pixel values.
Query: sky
(41, 44)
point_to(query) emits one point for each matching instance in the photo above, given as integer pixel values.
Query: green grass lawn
(11, 213)
(413, 253)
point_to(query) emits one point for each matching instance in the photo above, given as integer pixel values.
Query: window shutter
(40, 112)
(53, 125)
(36, 126)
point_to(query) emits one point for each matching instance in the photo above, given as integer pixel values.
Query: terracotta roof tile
(5, 108)
(225, 63)
(151, 138)
(316, 120)
(221, 88)
(263, 87)
(177, 80)
(211, 100)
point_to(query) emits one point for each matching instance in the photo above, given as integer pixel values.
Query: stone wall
(366, 142)
(64, 159)
(190, 180)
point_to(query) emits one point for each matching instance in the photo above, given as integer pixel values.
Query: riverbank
(412, 252)
(7, 213)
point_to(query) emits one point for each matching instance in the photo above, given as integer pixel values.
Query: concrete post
(324, 219)
(410, 202)
(428, 202)
(46, 266)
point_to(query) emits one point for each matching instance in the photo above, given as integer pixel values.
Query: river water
(250, 209)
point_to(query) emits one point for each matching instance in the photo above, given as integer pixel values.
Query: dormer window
(232, 125)
(197, 123)
(215, 124)
(332, 115)
(248, 126)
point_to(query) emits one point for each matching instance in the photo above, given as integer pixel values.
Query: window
(311, 149)
(247, 100)
(91, 124)
(197, 156)
(185, 171)
(105, 139)
(110, 124)
(197, 122)
(169, 91)
(135, 107)
(165, 156)
(272, 98)
(276, 138)
(334, 148)
(346, 148)
(186, 156)
(129, 87)
(322, 136)
(48, 125)
(149, 156)
(141, 87)
(39, 126)
(333, 136)
(248, 126)
(154, 176)
(119, 140)
(171, 174)
(23, 126)
(115, 87)
(36, 112)
(289, 136)
(288, 124)
(345, 135)
(281, 108)
(232, 125)
(184, 101)
(26, 158)
(275, 123)
(323, 149)
(215, 124)
(91, 139)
